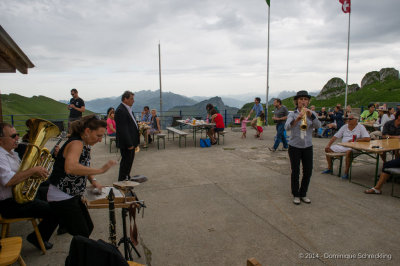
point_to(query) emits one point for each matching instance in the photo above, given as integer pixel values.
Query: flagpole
(347, 69)
(159, 75)
(266, 104)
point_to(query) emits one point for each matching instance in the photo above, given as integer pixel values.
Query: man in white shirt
(10, 176)
(350, 132)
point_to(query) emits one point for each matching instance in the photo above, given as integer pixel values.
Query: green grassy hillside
(19, 108)
(378, 92)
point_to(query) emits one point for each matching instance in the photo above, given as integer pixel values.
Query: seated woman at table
(382, 119)
(209, 107)
(383, 177)
(219, 125)
(155, 123)
(71, 171)
(111, 131)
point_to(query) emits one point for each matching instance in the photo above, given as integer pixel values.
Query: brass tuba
(40, 131)
(303, 124)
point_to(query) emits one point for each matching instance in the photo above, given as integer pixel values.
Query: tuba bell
(40, 131)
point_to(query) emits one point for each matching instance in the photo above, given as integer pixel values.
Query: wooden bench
(222, 133)
(158, 137)
(5, 228)
(180, 133)
(252, 262)
(11, 251)
(337, 156)
(113, 139)
(395, 172)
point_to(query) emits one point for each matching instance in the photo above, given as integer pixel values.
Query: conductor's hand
(108, 165)
(40, 171)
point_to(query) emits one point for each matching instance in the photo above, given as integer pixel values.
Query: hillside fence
(167, 118)
(61, 120)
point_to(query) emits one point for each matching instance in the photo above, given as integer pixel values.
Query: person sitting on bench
(219, 125)
(352, 131)
(383, 177)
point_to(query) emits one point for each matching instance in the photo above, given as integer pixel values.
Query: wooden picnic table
(198, 125)
(373, 149)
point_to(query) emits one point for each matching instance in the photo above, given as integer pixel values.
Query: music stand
(127, 187)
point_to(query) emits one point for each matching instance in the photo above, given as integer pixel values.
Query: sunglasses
(13, 136)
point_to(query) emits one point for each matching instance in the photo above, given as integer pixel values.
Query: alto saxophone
(303, 124)
(40, 131)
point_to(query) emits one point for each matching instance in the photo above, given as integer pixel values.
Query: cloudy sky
(208, 47)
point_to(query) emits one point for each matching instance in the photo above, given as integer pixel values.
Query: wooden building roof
(11, 56)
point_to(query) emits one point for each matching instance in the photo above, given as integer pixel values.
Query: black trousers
(126, 163)
(73, 216)
(9, 208)
(305, 156)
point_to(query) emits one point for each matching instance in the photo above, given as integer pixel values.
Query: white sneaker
(305, 200)
(296, 200)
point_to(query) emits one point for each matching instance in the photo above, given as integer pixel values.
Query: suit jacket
(127, 131)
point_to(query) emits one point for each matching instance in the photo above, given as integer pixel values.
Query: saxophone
(303, 124)
(40, 131)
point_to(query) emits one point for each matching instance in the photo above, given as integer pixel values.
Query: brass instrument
(303, 124)
(40, 131)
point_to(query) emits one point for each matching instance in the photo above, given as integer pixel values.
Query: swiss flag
(346, 5)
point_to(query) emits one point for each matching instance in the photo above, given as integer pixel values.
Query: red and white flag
(346, 5)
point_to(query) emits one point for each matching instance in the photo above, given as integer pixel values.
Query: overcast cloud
(208, 47)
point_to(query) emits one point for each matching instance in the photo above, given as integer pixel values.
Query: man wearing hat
(350, 132)
(300, 145)
(370, 114)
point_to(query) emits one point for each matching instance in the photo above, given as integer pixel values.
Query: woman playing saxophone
(302, 123)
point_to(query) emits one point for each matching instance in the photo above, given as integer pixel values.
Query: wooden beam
(9, 56)
(253, 262)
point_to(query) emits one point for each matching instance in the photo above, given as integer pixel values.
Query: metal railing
(18, 120)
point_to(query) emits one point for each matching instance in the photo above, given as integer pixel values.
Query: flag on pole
(267, 2)
(346, 5)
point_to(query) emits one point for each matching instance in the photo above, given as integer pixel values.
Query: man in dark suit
(128, 136)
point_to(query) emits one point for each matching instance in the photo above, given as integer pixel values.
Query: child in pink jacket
(243, 122)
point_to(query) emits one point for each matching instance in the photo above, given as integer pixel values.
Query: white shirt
(131, 113)
(384, 119)
(9, 165)
(347, 135)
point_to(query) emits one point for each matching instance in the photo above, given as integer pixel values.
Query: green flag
(267, 2)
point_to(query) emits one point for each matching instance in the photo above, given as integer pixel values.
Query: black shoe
(61, 230)
(33, 240)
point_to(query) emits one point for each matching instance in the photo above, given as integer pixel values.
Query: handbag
(205, 143)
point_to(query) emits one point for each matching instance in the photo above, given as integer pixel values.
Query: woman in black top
(70, 172)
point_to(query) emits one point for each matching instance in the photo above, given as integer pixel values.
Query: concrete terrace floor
(227, 203)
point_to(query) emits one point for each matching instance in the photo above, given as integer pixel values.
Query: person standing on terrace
(258, 109)
(300, 145)
(280, 116)
(76, 107)
(127, 134)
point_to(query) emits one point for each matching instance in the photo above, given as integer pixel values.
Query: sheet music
(91, 196)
